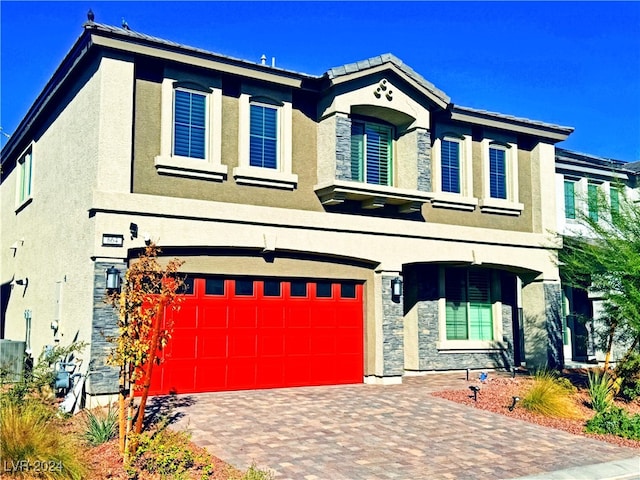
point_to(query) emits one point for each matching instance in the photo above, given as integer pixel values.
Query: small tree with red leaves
(149, 292)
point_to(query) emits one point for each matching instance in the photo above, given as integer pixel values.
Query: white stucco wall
(87, 139)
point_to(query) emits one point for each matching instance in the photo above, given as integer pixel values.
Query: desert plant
(550, 396)
(169, 454)
(33, 444)
(615, 421)
(254, 473)
(601, 390)
(100, 426)
(628, 371)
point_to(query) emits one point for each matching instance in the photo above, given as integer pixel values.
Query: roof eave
(555, 133)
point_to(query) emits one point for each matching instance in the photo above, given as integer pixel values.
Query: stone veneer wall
(424, 160)
(553, 312)
(392, 330)
(343, 148)
(103, 379)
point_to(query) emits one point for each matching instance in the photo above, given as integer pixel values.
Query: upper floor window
(263, 136)
(450, 165)
(191, 130)
(469, 304)
(614, 196)
(497, 172)
(190, 124)
(500, 175)
(371, 152)
(25, 178)
(265, 140)
(592, 201)
(569, 199)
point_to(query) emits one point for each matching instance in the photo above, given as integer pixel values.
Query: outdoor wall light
(475, 389)
(396, 287)
(113, 279)
(513, 404)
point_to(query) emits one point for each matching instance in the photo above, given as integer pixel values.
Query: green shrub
(601, 390)
(33, 444)
(615, 421)
(100, 426)
(169, 454)
(254, 473)
(550, 396)
(628, 370)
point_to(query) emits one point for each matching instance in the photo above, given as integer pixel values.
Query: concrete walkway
(386, 432)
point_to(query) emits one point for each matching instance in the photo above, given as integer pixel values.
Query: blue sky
(575, 63)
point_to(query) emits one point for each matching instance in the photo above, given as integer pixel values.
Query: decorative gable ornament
(382, 90)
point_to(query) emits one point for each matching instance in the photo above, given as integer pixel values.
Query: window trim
(465, 199)
(282, 176)
(209, 168)
(505, 206)
(496, 312)
(21, 200)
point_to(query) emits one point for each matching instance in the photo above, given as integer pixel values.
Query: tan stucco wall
(147, 147)
(521, 223)
(89, 137)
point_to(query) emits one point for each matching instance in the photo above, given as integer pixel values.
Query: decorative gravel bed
(496, 395)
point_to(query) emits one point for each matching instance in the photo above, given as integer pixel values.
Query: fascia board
(556, 135)
(132, 47)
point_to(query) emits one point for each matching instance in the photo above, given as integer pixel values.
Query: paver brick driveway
(380, 432)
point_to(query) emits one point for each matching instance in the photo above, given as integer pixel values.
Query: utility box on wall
(12, 359)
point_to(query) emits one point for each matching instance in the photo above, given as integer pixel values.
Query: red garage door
(247, 333)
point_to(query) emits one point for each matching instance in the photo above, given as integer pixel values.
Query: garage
(251, 333)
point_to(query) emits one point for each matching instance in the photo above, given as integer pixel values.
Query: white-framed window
(24, 186)
(470, 309)
(569, 199)
(263, 136)
(371, 152)
(191, 132)
(593, 199)
(500, 176)
(264, 143)
(452, 167)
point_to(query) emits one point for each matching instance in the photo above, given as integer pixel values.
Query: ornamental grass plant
(33, 445)
(550, 396)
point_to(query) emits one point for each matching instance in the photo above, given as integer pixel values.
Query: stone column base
(374, 380)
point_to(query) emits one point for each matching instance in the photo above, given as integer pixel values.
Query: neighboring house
(580, 179)
(351, 227)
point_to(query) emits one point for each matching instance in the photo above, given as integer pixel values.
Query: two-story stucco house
(356, 226)
(580, 178)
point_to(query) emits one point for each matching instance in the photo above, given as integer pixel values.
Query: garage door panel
(241, 373)
(298, 316)
(271, 345)
(186, 316)
(322, 344)
(182, 345)
(271, 317)
(296, 371)
(242, 345)
(244, 316)
(297, 343)
(180, 378)
(323, 317)
(270, 372)
(214, 316)
(211, 374)
(212, 344)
